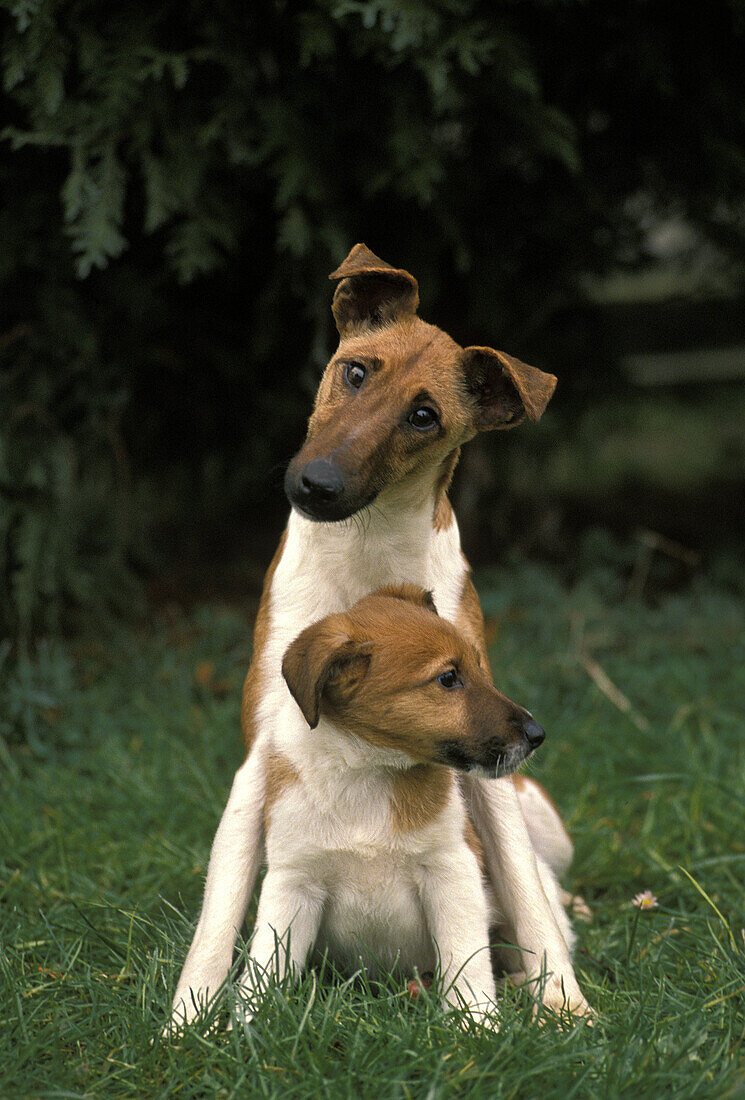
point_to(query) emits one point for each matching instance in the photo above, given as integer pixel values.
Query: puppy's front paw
(188, 1005)
(180, 1018)
(484, 1012)
(485, 1015)
(566, 1000)
(242, 1015)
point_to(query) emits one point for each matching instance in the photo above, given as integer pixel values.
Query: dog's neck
(365, 786)
(401, 517)
(399, 520)
(326, 567)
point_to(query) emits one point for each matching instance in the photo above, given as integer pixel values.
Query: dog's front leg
(515, 878)
(236, 856)
(287, 924)
(456, 911)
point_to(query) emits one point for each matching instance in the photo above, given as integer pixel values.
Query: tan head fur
(394, 674)
(400, 396)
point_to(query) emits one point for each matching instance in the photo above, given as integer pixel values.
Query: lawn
(117, 765)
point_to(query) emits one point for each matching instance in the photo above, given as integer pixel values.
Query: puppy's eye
(354, 374)
(449, 679)
(423, 418)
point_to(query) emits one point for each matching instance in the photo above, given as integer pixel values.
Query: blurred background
(565, 179)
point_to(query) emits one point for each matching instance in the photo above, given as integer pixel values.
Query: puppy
(372, 856)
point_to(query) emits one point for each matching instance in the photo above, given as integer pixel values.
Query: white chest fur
(326, 568)
(336, 833)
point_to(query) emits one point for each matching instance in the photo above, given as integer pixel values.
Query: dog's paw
(468, 1010)
(580, 909)
(242, 1019)
(179, 1020)
(192, 1008)
(577, 906)
(566, 1000)
(515, 978)
(484, 1015)
(243, 1006)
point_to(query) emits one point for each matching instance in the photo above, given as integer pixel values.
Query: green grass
(104, 842)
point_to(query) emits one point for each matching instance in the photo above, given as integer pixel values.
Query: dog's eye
(354, 373)
(449, 679)
(423, 418)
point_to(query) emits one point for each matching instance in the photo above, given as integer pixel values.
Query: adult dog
(369, 495)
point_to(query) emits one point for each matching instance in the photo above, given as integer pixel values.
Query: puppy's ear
(371, 292)
(412, 593)
(504, 389)
(324, 660)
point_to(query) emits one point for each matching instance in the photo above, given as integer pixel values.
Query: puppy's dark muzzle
(494, 756)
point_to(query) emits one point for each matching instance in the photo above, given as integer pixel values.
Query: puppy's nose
(534, 734)
(321, 480)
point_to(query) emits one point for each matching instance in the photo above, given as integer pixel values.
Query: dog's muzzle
(319, 491)
(493, 758)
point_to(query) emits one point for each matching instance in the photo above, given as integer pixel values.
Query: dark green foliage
(181, 178)
(104, 846)
(63, 479)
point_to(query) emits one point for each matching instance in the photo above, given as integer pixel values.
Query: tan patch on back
(254, 682)
(419, 796)
(523, 781)
(443, 514)
(473, 841)
(280, 774)
(470, 618)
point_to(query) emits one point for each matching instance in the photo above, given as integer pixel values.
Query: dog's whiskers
(380, 512)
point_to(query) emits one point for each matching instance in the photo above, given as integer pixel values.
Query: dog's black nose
(535, 734)
(321, 480)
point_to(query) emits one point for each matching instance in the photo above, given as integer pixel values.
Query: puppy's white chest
(373, 915)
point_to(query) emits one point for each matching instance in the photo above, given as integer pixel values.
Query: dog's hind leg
(548, 835)
(532, 918)
(235, 859)
(550, 839)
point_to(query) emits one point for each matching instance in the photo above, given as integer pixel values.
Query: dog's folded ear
(504, 389)
(324, 660)
(371, 292)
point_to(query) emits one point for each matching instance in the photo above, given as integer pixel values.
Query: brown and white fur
(370, 508)
(372, 857)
